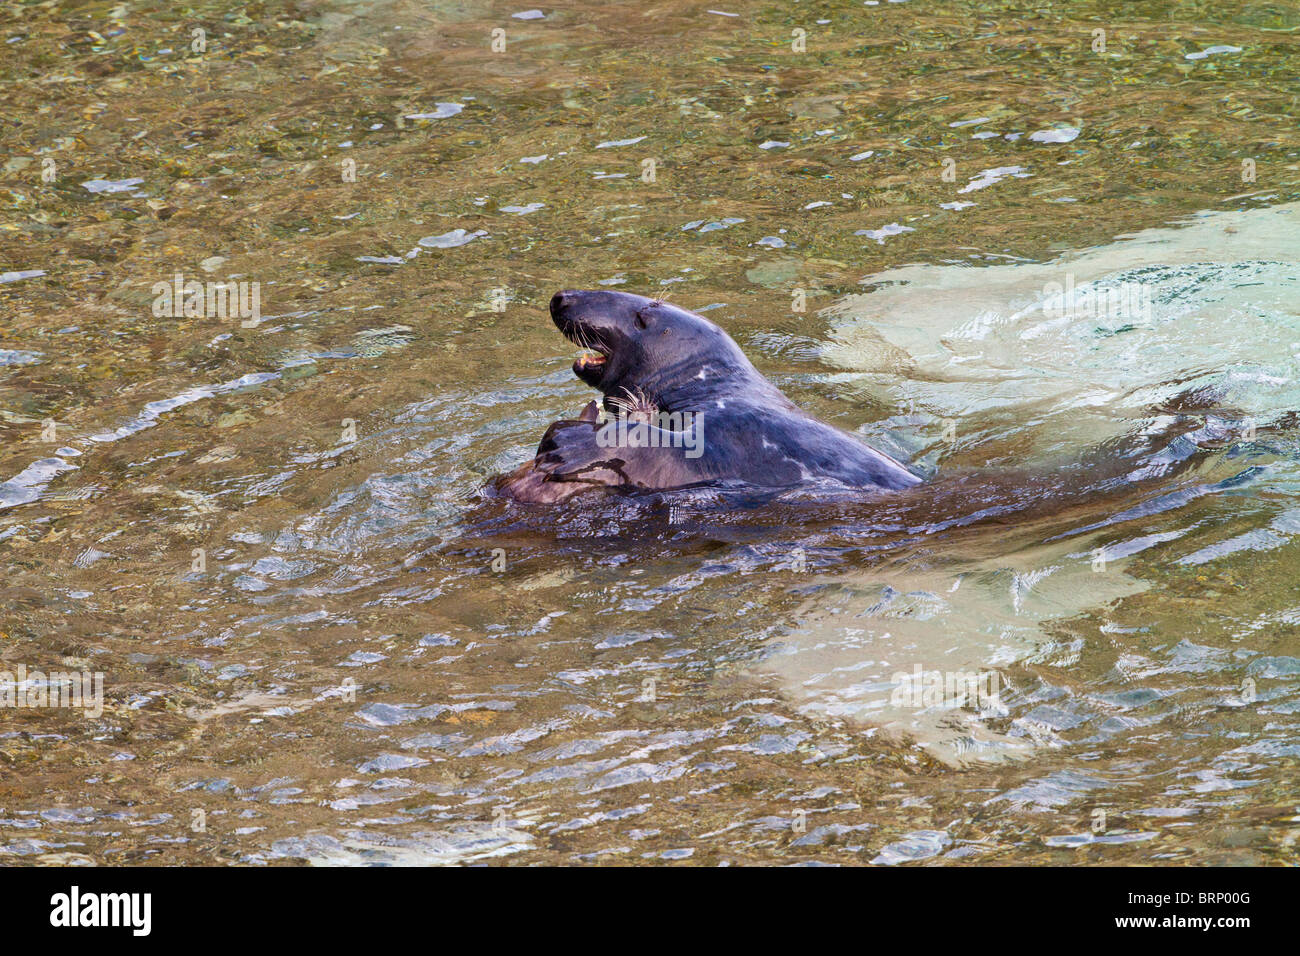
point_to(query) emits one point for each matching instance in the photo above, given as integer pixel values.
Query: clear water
(377, 665)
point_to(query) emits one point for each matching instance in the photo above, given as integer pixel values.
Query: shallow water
(320, 644)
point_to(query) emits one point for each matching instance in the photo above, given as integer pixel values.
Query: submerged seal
(687, 409)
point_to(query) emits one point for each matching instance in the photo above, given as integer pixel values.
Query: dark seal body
(689, 409)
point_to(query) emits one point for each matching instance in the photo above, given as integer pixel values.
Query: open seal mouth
(590, 363)
(590, 366)
(570, 311)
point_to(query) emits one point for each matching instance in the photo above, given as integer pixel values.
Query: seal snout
(561, 299)
(566, 313)
(564, 305)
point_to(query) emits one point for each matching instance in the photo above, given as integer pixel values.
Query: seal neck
(692, 385)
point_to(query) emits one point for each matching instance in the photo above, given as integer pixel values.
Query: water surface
(374, 664)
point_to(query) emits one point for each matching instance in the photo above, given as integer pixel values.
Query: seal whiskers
(637, 406)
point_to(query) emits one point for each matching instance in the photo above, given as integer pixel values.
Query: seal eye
(641, 322)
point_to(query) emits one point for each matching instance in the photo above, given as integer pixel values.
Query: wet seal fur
(655, 363)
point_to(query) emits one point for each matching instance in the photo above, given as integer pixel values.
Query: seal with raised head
(687, 409)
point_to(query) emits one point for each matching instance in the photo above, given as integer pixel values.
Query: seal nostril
(562, 300)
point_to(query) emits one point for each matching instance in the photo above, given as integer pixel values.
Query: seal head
(650, 350)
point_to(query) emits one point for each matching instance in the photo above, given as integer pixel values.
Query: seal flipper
(577, 456)
(604, 454)
(567, 463)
